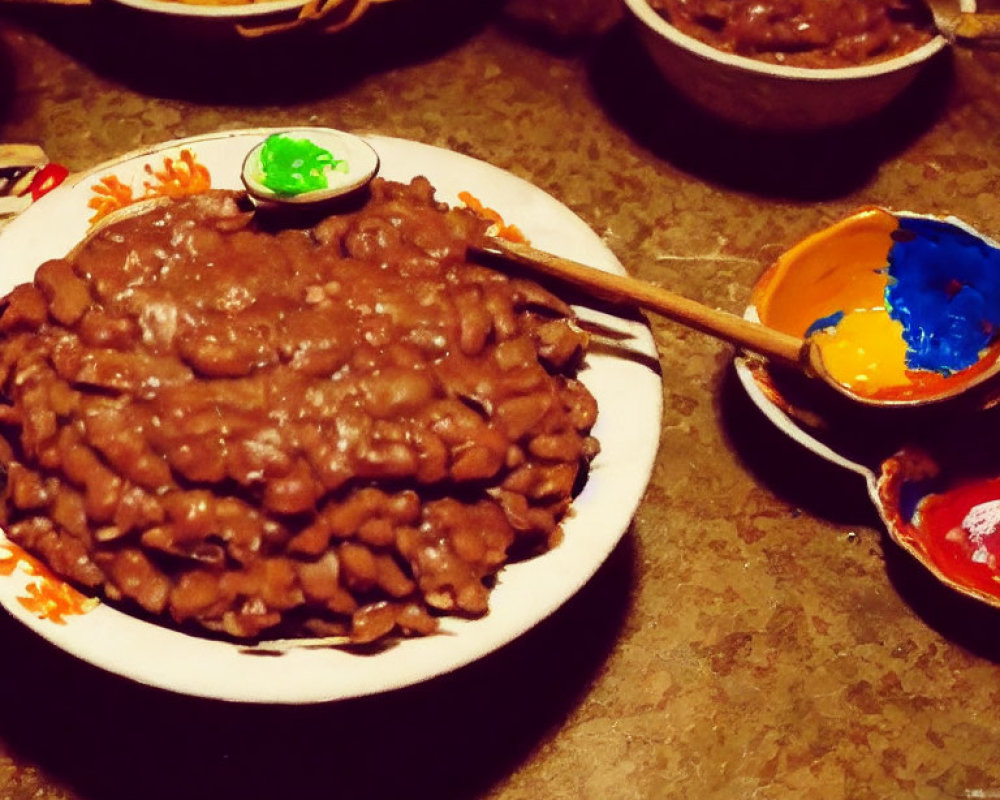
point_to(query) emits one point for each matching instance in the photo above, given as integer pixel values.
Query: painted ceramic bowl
(112, 637)
(776, 96)
(932, 472)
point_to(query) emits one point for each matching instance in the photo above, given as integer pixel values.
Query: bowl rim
(206, 11)
(645, 13)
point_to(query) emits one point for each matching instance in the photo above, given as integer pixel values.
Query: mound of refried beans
(339, 430)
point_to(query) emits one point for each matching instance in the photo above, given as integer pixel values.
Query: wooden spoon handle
(621, 288)
(981, 27)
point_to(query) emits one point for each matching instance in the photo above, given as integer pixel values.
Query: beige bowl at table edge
(770, 96)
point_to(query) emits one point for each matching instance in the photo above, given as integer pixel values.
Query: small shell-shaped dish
(354, 164)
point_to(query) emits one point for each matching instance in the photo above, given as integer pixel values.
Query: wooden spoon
(804, 354)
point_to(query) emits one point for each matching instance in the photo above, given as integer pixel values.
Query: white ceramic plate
(792, 429)
(625, 383)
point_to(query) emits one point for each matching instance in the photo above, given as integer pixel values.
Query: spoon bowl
(903, 309)
(306, 166)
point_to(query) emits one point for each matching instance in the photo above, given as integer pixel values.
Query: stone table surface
(755, 634)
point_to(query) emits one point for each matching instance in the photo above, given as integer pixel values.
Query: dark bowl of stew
(789, 64)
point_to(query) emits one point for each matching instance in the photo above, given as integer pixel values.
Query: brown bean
(26, 488)
(68, 295)
(358, 565)
(137, 577)
(293, 493)
(373, 621)
(98, 328)
(564, 446)
(518, 415)
(478, 462)
(396, 391)
(391, 578)
(414, 619)
(225, 352)
(320, 579)
(475, 321)
(26, 309)
(68, 511)
(195, 592)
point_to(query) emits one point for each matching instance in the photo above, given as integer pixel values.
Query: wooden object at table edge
(48, 2)
(329, 16)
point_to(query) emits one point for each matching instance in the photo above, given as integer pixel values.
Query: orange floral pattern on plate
(178, 178)
(500, 229)
(45, 596)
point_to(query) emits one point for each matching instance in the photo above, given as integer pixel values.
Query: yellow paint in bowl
(865, 352)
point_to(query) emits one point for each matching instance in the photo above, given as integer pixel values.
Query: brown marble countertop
(755, 634)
